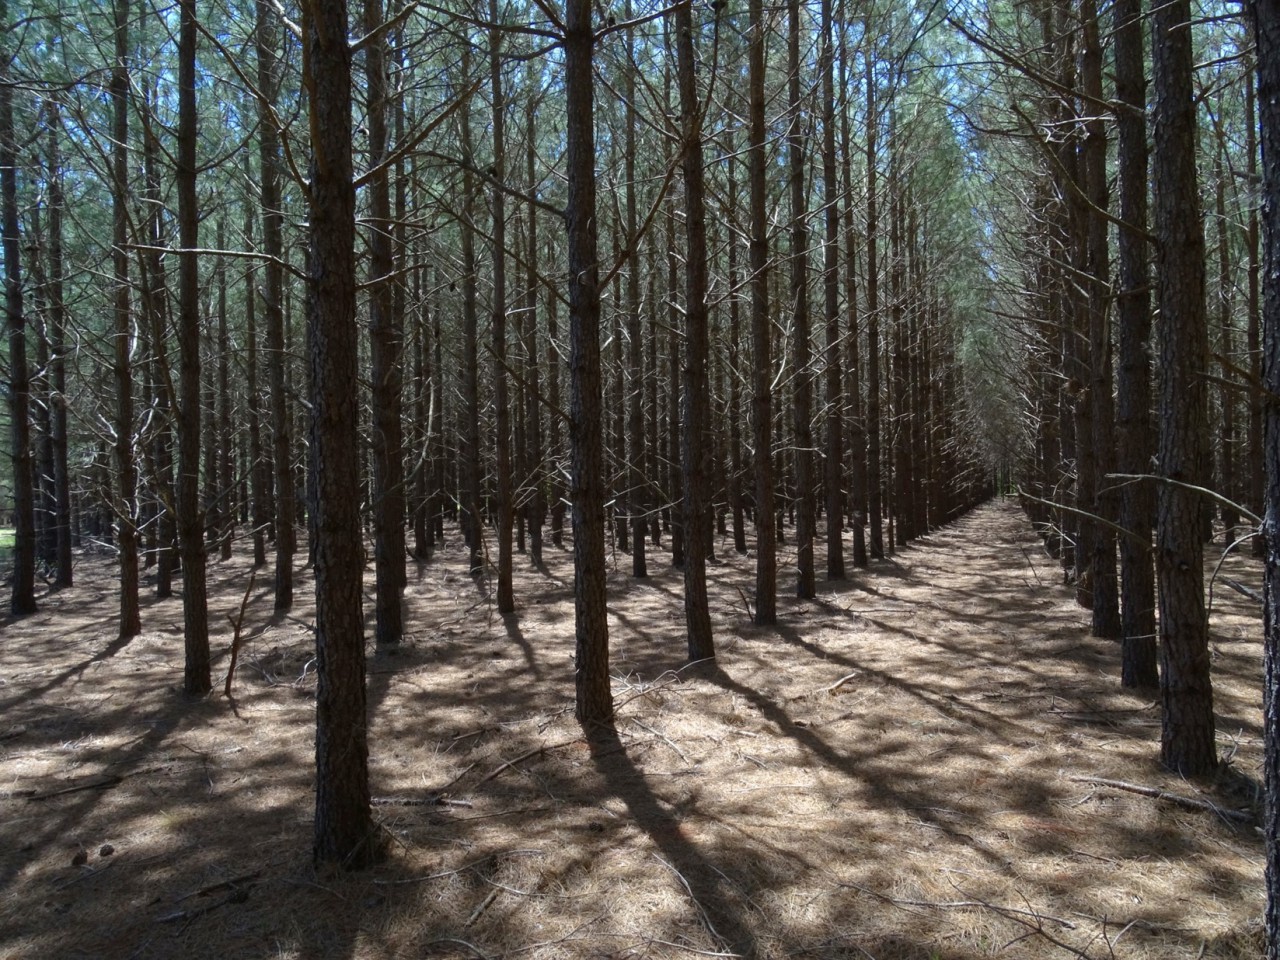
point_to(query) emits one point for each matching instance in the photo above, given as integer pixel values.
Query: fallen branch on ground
(1188, 803)
(236, 624)
(96, 783)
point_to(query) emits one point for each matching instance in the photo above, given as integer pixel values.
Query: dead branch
(220, 885)
(958, 905)
(95, 783)
(236, 624)
(842, 681)
(1188, 803)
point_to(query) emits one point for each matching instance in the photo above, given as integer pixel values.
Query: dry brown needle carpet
(910, 766)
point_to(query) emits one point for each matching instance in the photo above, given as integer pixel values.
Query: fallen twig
(958, 905)
(523, 757)
(1241, 589)
(96, 783)
(432, 801)
(842, 681)
(484, 905)
(220, 885)
(236, 624)
(1188, 803)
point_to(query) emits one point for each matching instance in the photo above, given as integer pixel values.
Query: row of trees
(818, 264)
(430, 182)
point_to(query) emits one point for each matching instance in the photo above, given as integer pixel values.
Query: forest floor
(906, 767)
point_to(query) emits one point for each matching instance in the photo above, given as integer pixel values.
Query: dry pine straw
(888, 774)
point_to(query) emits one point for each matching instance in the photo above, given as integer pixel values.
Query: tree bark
(762, 368)
(501, 399)
(386, 343)
(695, 440)
(196, 675)
(1135, 444)
(344, 829)
(1187, 729)
(269, 152)
(594, 698)
(1265, 18)
(802, 398)
(126, 472)
(1106, 600)
(834, 396)
(874, 500)
(22, 599)
(63, 575)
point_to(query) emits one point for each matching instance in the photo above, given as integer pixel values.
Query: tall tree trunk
(501, 400)
(1135, 445)
(1265, 18)
(126, 472)
(1226, 480)
(875, 504)
(273, 306)
(259, 478)
(196, 678)
(470, 460)
(386, 342)
(23, 597)
(535, 455)
(637, 487)
(802, 410)
(896, 345)
(155, 306)
(834, 397)
(857, 426)
(228, 502)
(675, 509)
(57, 361)
(695, 440)
(1253, 328)
(762, 367)
(594, 697)
(1106, 600)
(1187, 730)
(345, 834)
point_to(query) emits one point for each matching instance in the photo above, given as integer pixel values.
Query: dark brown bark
(637, 487)
(834, 395)
(57, 359)
(196, 675)
(594, 698)
(695, 439)
(1105, 594)
(535, 455)
(501, 394)
(22, 599)
(762, 350)
(228, 502)
(675, 509)
(469, 465)
(259, 477)
(874, 500)
(857, 429)
(126, 473)
(269, 152)
(733, 358)
(386, 344)
(1253, 327)
(1265, 18)
(1187, 730)
(1135, 444)
(1226, 473)
(802, 379)
(344, 829)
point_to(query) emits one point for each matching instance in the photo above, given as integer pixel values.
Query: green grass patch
(8, 537)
